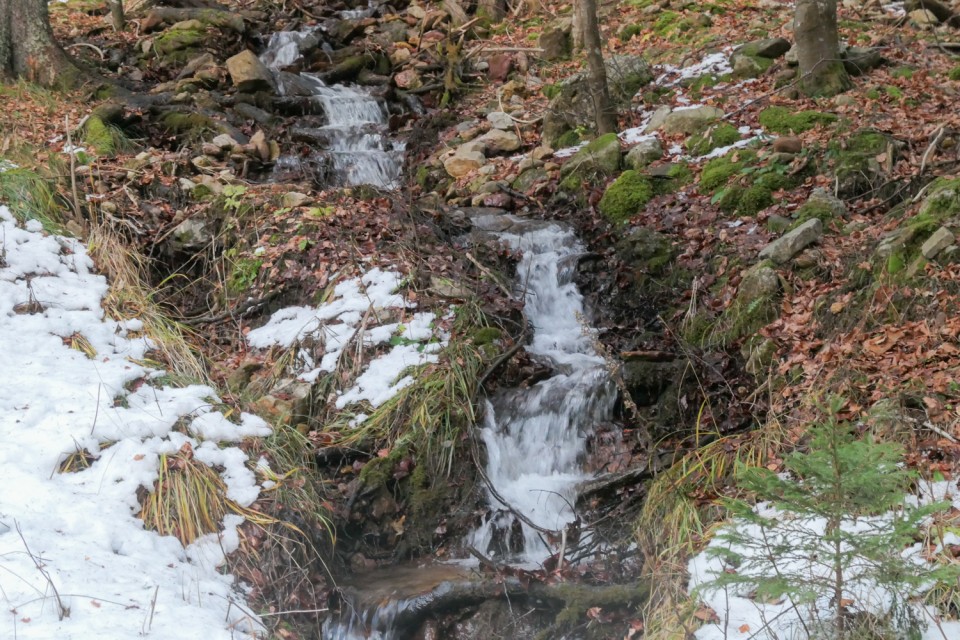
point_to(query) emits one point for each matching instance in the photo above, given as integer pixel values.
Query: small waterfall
(536, 437)
(356, 146)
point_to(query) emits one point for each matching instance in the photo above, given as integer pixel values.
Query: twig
(73, 168)
(932, 148)
(504, 357)
(87, 44)
(62, 611)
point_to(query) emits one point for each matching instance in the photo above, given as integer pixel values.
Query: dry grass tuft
(130, 298)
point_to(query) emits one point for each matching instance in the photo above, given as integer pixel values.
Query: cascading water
(536, 436)
(357, 148)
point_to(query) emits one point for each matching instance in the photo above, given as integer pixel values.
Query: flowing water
(536, 437)
(357, 148)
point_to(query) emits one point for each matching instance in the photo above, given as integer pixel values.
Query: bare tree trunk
(818, 48)
(116, 14)
(606, 115)
(27, 47)
(576, 27)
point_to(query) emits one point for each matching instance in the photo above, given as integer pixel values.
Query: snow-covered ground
(75, 561)
(741, 617)
(355, 315)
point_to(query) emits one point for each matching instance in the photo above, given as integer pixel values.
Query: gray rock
(190, 235)
(499, 141)
(940, 240)
(824, 201)
(657, 119)
(249, 75)
(784, 248)
(500, 120)
(555, 40)
(767, 48)
(643, 153)
(293, 199)
(690, 120)
(466, 158)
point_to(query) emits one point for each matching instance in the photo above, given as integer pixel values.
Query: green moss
(107, 140)
(782, 120)
(626, 196)
(551, 91)
(730, 198)
(954, 74)
(754, 199)
(665, 22)
(718, 171)
(712, 137)
(756, 304)
(629, 31)
(873, 94)
(486, 335)
(894, 92)
(814, 209)
(243, 274)
(568, 139)
(192, 125)
(870, 142)
(677, 177)
(177, 40)
(902, 72)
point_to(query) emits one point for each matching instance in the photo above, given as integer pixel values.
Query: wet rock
(542, 152)
(940, 240)
(256, 114)
(784, 248)
(526, 180)
(750, 66)
(643, 153)
(408, 79)
(225, 142)
(499, 141)
(249, 75)
(258, 141)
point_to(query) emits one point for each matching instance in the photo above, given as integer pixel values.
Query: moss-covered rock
(526, 180)
(783, 120)
(712, 137)
(647, 252)
(178, 40)
(751, 66)
(626, 196)
(670, 178)
(595, 162)
(822, 206)
(105, 139)
(718, 171)
(899, 252)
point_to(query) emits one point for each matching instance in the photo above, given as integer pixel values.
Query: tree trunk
(605, 114)
(27, 47)
(116, 14)
(818, 48)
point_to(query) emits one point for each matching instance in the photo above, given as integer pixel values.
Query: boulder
(646, 151)
(191, 235)
(859, 60)
(500, 120)
(500, 66)
(770, 48)
(784, 248)
(468, 157)
(690, 120)
(599, 159)
(408, 79)
(249, 75)
(556, 40)
(572, 106)
(499, 141)
(923, 18)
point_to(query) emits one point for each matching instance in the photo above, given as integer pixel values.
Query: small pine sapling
(830, 535)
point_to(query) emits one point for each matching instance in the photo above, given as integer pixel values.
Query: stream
(535, 436)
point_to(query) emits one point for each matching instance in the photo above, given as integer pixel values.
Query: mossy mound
(673, 179)
(594, 163)
(626, 196)
(191, 125)
(718, 171)
(899, 252)
(782, 120)
(105, 139)
(712, 137)
(756, 305)
(858, 167)
(177, 40)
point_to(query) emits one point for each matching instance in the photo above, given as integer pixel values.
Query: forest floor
(863, 313)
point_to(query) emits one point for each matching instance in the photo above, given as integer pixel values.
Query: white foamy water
(536, 437)
(358, 149)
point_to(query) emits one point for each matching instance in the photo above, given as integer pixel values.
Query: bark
(818, 48)
(27, 47)
(604, 112)
(116, 14)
